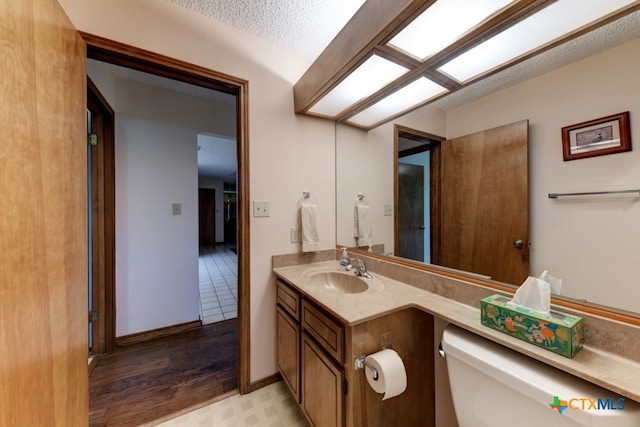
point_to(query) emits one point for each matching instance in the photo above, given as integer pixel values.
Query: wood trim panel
(328, 332)
(126, 55)
(266, 381)
(289, 299)
(378, 21)
(157, 333)
(371, 25)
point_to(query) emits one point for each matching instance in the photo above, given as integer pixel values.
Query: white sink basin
(341, 282)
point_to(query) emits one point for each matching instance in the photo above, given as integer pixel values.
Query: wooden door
(411, 224)
(484, 206)
(43, 226)
(207, 215)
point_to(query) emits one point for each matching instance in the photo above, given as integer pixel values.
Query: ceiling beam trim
(375, 22)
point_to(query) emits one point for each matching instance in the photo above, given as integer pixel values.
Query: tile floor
(271, 406)
(218, 268)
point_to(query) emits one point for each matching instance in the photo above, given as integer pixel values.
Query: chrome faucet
(361, 269)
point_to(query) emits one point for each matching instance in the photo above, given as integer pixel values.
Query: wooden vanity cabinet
(288, 336)
(288, 350)
(310, 354)
(322, 390)
(316, 354)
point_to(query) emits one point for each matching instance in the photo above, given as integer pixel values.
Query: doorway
(416, 194)
(137, 59)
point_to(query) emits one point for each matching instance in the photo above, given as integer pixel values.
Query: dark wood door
(411, 224)
(484, 207)
(207, 215)
(43, 192)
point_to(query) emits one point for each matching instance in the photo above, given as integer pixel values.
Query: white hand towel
(308, 226)
(362, 225)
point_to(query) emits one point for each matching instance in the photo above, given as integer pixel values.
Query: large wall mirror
(588, 241)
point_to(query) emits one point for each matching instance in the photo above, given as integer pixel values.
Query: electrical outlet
(295, 235)
(261, 208)
(388, 210)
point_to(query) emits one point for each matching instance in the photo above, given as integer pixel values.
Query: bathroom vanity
(322, 331)
(317, 348)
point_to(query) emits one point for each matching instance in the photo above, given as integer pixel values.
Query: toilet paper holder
(361, 363)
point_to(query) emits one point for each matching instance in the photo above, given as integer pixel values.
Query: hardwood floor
(148, 381)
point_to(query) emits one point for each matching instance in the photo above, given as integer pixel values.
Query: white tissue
(534, 294)
(556, 284)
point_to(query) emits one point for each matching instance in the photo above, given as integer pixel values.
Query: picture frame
(598, 137)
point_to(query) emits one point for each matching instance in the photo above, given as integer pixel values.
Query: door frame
(400, 131)
(117, 53)
(103, 224)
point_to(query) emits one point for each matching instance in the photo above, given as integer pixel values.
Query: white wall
(288, 154)
(591, 243)
(156, 251)
(364, 162)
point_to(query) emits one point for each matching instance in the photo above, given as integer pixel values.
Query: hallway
(218, 270)
(154, 379)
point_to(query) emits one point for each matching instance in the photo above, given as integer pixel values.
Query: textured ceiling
(305, 26)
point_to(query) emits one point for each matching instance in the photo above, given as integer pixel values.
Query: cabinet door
(288, 350)
(321, 394)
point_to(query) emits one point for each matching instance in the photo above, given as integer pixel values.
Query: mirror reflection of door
(414, 193)
(485, 198)
(411, 209)
(474, 197)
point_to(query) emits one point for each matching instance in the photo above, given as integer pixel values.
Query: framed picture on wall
(598, 137)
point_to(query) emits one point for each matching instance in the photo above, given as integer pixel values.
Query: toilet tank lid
(536, 380)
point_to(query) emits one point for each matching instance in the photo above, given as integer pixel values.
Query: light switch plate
(295, 235)
(176, 208)
(388, 210)
(261, 208)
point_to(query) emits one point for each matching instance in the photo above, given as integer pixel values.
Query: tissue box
(559, 332)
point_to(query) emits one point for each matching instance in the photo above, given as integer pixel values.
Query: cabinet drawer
(328, 332)
(289, 299)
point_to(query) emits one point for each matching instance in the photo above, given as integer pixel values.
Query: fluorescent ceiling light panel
(413, 94)
(543, 27)
(442, 24)
(372, 75)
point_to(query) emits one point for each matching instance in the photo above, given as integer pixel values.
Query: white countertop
(607, 370)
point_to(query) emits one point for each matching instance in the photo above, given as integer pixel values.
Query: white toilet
(494, 386)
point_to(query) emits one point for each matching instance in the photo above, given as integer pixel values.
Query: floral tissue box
(558, 332)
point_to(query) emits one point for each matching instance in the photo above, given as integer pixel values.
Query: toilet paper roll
(392, 376)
